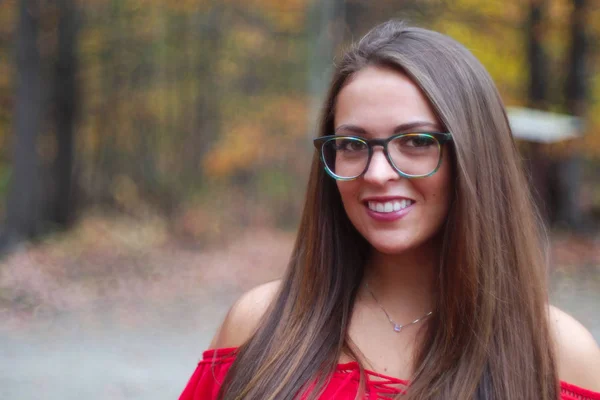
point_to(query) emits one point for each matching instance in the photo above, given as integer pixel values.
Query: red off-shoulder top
(210, 373)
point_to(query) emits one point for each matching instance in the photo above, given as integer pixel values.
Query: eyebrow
(408, 127)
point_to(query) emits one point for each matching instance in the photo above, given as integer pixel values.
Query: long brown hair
(489, 337)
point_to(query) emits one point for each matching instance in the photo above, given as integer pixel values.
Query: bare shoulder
(243, 317)
(577, 353)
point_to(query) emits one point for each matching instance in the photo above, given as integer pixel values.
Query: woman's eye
(419, 141)
(351, 145)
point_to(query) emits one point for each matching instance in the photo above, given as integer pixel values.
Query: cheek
(436, 191)
(349, 194)
(347, 191)
(440, 189)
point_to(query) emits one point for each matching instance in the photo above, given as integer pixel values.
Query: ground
(122, 309)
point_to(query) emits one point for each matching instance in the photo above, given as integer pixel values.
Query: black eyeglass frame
(440, 137)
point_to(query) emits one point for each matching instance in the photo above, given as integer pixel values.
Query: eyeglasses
(412, 155)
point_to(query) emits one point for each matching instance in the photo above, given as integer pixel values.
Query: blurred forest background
(162, 108)
(151, 151)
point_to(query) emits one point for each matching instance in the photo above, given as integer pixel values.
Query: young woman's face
(378, 103)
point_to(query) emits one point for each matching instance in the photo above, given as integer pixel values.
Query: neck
(404, 283)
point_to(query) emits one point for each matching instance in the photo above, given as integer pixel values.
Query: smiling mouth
(389, 206)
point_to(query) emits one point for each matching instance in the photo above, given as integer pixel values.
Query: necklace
(397, 327)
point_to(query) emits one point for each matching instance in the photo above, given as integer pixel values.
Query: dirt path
(151, 361)
(120, 319)
(141, 337)
(67, 360)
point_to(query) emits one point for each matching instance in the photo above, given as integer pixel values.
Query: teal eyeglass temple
(440, 137)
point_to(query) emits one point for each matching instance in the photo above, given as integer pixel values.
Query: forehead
(379, 99)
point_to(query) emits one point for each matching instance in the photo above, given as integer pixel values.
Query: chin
(391, 249)
(398, 245)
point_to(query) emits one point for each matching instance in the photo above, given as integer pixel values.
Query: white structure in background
(557, 181)
(542, 126)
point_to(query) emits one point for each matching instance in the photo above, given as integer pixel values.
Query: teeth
(389, 206)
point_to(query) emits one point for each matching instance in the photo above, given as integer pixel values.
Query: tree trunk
(65, 92)
(208, 121)
(537, 59)
(327, 33)
(539, 164)
(570, 165)
(575, 90)
(23, 206)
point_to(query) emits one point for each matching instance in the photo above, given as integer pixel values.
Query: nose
(379, 170)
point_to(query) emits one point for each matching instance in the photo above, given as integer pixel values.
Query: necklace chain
(397, 327)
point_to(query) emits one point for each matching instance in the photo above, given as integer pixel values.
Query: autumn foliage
(179, 101)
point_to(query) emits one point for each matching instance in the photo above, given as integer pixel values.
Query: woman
(419, 268)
